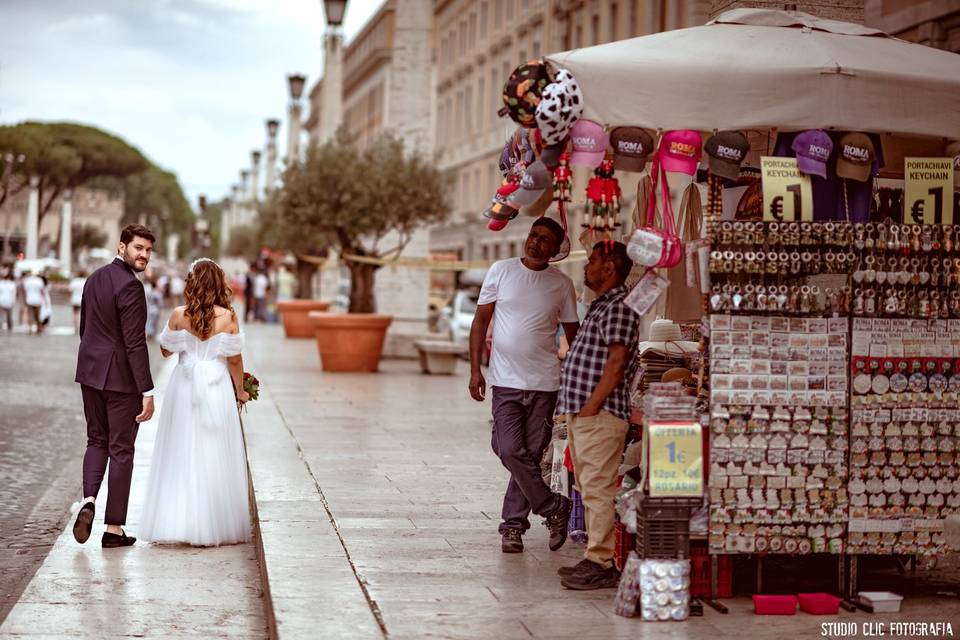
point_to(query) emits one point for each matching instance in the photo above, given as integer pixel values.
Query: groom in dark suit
(113, 369)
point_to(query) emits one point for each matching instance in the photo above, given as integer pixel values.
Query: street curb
(258, 544)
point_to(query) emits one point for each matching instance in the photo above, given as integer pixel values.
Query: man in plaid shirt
(594, 397)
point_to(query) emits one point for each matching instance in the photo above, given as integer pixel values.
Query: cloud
(189, 82)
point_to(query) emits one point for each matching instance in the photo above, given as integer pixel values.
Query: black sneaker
(592, 577)
(563, 572)
(557, 523)
(512, 541)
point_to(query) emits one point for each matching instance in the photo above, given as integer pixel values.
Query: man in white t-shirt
(261, 285)
(531, 299)
(34, 292)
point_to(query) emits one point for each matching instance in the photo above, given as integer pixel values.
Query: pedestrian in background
(176, 290)
(286, 283)
(249, 301)
(154, 303)
(594, 398)
(76, 297)
(34, 296)
(8, 298)
(261, 287)
(526, 298)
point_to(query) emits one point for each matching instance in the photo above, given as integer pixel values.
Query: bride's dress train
(197, 492)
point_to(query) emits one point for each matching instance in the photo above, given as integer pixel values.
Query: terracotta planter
(349, 341)
(296, 324)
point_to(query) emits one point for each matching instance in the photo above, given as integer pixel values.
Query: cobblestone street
(42, 439)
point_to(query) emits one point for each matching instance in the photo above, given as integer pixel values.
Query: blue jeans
(522, 427)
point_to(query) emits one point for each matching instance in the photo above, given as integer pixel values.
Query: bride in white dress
(197, 492)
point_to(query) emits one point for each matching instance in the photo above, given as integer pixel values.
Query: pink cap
(589, 142)
(680, 151)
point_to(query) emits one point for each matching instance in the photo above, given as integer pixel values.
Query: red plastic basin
(820, 604)
(774, 605)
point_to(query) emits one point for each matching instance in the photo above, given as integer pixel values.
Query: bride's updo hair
(205, 288)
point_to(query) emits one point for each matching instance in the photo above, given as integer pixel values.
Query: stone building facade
(98, 208)
(934, 23)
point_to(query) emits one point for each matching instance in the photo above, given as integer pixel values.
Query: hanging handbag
(650, 246)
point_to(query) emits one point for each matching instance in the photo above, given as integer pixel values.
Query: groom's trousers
(111, 431)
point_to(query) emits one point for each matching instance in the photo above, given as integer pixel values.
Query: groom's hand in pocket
(147, 412)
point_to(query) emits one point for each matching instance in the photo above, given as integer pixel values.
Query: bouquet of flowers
(251, 385)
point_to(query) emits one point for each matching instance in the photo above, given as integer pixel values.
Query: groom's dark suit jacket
(113, 346)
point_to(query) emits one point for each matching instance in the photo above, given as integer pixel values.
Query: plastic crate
(701, 573)
(625, 543)
(576, 525)
(774, 605)
(663, 527)
(819, 604)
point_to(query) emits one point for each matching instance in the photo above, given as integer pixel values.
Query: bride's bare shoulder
(226, 320)
(178, 318)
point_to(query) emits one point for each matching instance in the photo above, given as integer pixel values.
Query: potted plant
(356, 199)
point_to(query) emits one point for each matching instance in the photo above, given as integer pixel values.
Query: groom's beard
(131, 261)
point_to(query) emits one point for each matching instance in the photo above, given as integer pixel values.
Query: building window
(495, 82)
(468, 110)
(485, 252)
(497, 13)
(463, 39)
(578, 37)
(496, 252)
(484, 16)
(536, 49)
(594, 29)
(473, 31)
(458, 134)
(481, 101)
(510, 4)
(614, 22)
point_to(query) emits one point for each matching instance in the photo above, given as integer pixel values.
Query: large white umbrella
(763, 69)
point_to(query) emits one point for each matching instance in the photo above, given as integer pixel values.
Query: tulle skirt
(197, 490)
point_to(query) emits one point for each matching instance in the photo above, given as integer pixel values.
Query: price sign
(928, 190)
(787, 193)
(676, 459)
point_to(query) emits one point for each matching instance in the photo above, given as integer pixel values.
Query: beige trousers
(596, 446)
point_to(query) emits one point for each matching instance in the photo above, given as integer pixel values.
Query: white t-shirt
(33, 291)
(260, 284)
(76, 291)
(529, 306)
(8, 294)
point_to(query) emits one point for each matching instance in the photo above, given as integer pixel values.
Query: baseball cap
(813, 148)
(726, 151)
(632, 147)
(589, 142)
(680, 150)
(536, 178)
(551, 154)
(953, 151)
(856, 157)
(560, 106)
(500, 213)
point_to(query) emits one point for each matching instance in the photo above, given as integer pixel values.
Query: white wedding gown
(197, 492)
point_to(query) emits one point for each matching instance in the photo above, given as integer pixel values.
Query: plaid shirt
(608, 321)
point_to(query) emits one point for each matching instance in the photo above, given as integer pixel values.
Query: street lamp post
(272, 125)
(331, 97)
(254, 176)
(296, 82)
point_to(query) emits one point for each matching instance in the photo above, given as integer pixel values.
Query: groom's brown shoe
(112, 540)
(84, 522)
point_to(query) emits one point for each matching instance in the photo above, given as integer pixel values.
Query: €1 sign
(676, 459)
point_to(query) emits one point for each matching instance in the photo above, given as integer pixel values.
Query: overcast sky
(188, 82)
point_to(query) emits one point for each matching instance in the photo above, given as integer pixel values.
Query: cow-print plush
(560, 107)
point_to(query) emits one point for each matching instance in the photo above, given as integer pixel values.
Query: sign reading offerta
(928, 190)
(676, 460)
(787, 193)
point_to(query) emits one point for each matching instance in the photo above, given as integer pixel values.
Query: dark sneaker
(563, 572)
(512, 541)
(557, 523)
(592, 577)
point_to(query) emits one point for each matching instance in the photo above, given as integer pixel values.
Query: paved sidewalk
(379, 501)
(145, 590)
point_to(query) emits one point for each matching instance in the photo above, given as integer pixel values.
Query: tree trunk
(305, 273)
(362, 277)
